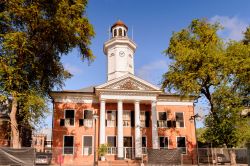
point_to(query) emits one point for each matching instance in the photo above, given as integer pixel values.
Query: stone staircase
(120, 163)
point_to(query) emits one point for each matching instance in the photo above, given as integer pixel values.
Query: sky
(153, 23)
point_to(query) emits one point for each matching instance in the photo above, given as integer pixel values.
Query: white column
(155, 142)
(138, 145)
(120, 154)
(102, 122)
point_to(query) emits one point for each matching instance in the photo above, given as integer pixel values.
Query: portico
(136, 93)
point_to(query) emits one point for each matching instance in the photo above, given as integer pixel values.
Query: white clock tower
(119, 51)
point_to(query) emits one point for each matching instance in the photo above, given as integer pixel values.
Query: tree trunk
(232, 157)
(14, 126)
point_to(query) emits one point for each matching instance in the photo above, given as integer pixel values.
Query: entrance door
(128, 147)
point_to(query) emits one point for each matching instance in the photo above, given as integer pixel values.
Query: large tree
(34, 34)
(206, 66)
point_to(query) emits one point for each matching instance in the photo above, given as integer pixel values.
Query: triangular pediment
(128, 82)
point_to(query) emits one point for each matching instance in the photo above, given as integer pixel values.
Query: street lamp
(193, 118)
(95, 117)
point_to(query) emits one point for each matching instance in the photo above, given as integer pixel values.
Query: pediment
(128, 82)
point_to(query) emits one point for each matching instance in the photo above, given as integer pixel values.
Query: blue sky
(153, 23)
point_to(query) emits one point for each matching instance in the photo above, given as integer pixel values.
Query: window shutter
(132, 118)
(80, 122)
(169, 123)
(174, 123)
(116, 114)
(147, 114)
(62, 122)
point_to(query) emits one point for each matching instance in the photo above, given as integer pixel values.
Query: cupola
(119, 29)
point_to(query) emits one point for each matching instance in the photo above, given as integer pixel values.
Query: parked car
(42, 159)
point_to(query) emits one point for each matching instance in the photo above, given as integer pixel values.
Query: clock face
(121, 53)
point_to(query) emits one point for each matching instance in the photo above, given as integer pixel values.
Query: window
(181, 144)
(179, 119)
(88, 118)
(87, 145)
(112, 141)
(126, 118)
(125, 33)
(68, 146)
(115, 33)
(111, 118)
(120, 32)
(143, 118)
(69, 117)
(163, 141)
(162, 119)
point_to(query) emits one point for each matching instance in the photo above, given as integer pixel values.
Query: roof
(119, 23)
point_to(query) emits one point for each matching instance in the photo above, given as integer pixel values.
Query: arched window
(120, 31)
(115, 33)
(125, 33)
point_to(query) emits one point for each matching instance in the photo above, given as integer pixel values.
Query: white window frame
(65, 117)
(184, 124)
(88, 119)
(182, 147)
(164, 141)
(142, 120)
(159, 117)
(129, 116)
(115, 140)
(106, 117)
(91, 146)
(73, 145)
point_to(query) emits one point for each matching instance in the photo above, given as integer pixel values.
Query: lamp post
(95, 117)
(194, 119)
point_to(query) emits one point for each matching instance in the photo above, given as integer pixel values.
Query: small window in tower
(115, 33)
(120, 31)
(125, 33)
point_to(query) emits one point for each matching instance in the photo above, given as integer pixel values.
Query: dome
(119, 23)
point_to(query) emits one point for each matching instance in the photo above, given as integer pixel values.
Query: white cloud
(153, 71)
(73, 69)
(233, 27)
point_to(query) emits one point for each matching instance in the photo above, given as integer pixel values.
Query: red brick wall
(78, 132)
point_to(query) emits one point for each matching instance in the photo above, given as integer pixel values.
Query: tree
(206, 66)
(34, 36)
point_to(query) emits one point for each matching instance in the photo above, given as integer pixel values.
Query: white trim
(129, 116)
(158, 118)
(91, 146)
(129, 76)
(73, 144)
(106, 116)
(126, 97)
(175, 103)
(164, 141)
(65, 117)
(185, 144)
(184, 124)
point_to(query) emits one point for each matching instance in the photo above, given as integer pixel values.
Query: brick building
(134, 115)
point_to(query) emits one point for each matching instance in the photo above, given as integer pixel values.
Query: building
(134, 115)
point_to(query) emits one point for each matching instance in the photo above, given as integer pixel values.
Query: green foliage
(33, 37)
(206, 66)
(103, 149)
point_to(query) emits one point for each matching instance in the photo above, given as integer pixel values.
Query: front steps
(120, 163)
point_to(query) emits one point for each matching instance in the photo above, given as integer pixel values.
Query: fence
(85, 156)
(222, 156)
(18, 157)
